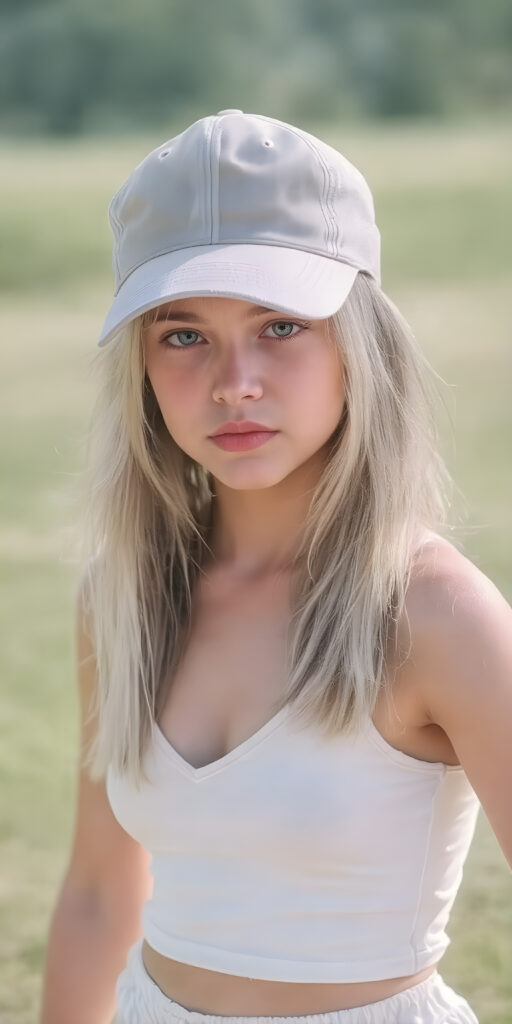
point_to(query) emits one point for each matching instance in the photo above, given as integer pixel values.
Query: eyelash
(165, 339)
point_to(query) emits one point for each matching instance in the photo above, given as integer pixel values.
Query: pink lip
(243, 441)
(239, 427)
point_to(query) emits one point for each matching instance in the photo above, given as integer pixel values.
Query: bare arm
(97, 914)
(462, 643)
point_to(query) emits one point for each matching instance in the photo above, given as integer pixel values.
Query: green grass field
(442, 201)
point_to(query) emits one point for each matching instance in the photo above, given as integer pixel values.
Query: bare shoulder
(460, 628)
(444, 600)
(450, 597)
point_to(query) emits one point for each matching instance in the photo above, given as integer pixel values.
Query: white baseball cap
(243, 206)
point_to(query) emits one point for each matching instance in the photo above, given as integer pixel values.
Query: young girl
(296, 692)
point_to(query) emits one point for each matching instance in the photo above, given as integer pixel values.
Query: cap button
(219, 112)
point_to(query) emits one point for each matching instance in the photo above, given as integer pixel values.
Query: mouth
(243, 441)
(241, 427)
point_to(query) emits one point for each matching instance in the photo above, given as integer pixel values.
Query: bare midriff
(206, 991)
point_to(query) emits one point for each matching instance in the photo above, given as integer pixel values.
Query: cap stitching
(238, 241)
(210, 127)
(303, 138)
(212, 139)
(327, 197)
(330, 202)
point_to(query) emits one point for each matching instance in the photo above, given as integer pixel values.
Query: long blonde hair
(147, 514)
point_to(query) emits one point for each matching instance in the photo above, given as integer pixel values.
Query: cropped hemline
(273, 969)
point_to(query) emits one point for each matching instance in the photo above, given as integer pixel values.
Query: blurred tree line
(68, 66)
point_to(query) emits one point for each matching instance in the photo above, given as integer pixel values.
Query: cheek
(172, 387)
(177, 397)
(319, 390)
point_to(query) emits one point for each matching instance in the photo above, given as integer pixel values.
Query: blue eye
(188, 343)
(190, 336)
(282, 323)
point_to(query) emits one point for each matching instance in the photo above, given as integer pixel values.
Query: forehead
(204, 308)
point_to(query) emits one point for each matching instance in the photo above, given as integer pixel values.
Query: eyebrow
(184, 314)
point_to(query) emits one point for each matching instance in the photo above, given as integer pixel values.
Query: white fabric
(300, 858)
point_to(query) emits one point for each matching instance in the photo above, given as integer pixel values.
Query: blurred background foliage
(68, 67)
(417, 95)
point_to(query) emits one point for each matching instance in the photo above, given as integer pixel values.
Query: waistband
(432, 1001)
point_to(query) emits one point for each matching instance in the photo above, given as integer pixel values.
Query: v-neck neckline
(196, 774)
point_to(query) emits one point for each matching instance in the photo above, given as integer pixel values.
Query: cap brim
(288, 280)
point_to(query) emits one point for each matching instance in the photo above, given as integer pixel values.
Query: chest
(233, 670)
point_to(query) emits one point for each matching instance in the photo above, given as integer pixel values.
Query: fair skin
(452, 690)
(236, 366)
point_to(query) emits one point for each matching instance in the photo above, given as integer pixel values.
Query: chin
(252, 478)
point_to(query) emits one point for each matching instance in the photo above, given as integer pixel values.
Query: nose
(236, 378)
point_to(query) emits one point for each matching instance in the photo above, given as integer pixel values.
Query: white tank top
(300, 858)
